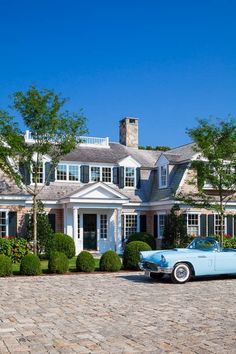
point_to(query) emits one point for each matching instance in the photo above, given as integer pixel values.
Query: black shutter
(203, 225)
(143, 223)
(155, 226)
(230, 225)
(138, 177)
(116, 175)
(25, 173)
(84, 173)
(12, 223)
(52, 221)
(121, 177)
(49, 173)
(211, 230)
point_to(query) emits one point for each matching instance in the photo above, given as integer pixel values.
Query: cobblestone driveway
(116, 313)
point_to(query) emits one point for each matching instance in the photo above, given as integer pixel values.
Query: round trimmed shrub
(58, 263)
(62, 243)
(5, 266)
(110, 262)
(131, 254)
(30, 265)
(85, 262)
(144, 237)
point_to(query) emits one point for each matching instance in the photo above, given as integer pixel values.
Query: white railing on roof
(84, 140)
(89, 140)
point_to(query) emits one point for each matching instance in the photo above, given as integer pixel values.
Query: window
(217, 227)
(73, 173)
(162, 221)
(106, 174)
(3, 223)
(61, 172)
(193, 224)
(67, 172)
(129, 176)
(95, 174)
(37, 175)
(163, 176)
(129, 225)
(103, 226)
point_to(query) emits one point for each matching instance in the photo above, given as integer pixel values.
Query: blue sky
(165, 62)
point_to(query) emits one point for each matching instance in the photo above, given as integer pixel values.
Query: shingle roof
(112, 155)
(181, 153)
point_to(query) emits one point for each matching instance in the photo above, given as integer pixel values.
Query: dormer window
(129, 176)
(103, 174)
(38, 174)
(163, 176)
(66, 172)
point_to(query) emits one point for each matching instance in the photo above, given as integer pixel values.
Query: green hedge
(110, 262)
(85, 262)
(144, 237)
(131, 254)
(30, 265)
(5, 266)
(62, 243)
(14, 248)
(58, 263)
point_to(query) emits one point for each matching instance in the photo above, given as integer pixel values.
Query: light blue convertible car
(203, 256)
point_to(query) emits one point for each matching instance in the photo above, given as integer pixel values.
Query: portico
(92, 216)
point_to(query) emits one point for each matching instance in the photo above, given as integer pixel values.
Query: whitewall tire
(181, 273)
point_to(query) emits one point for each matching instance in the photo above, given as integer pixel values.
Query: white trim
(199, 221)
(67, 173)
(7, 220)
(161, 213)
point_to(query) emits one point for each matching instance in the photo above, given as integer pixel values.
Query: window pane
(106, 174)
(61, 172)
(129, 176)
(130, 225)
(163, 176)
(95, 174)
(162, 220)
(217, 225)
(103, 226)
(3, 223)
(193, 224)
(73, 173)
(38, 174)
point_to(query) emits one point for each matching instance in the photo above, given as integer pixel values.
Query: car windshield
(204, 244)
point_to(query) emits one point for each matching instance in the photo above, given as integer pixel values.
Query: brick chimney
(129, 132)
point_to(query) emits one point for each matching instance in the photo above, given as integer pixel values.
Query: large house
(103, 191)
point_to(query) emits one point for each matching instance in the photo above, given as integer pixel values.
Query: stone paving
(116, 313)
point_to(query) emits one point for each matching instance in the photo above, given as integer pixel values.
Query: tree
(175, 230)
(44, 230)
(215, 166)
(54, 133)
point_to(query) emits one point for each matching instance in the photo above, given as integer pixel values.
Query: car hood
(154, 256)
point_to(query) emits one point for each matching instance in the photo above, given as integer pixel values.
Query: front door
(90, 231)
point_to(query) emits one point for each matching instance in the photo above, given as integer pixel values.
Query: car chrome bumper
(154, 268)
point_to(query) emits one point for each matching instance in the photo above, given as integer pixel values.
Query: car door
(225, 262)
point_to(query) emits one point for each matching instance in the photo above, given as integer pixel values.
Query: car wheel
(156, 275)
(181, 273)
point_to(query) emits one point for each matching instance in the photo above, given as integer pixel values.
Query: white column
(65, 219)
(75, 227)
(118, 236)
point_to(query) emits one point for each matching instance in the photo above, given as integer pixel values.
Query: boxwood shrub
(5, 266)
(15, 248)
(58, 263)
(62, 243)
(131, 254)
(144, 237)
(30, 265)
(110, 262)
(85, 262)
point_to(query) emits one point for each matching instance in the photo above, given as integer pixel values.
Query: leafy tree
(215, 166)
(44, 230)
(175, 230)
(54, 133)
(158, 147)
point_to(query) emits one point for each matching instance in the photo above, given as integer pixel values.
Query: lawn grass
(44, 266)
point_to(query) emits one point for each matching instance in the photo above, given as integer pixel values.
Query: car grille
(150, 266)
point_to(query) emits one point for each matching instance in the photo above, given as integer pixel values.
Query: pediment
(129, 161)
(98, 191)
(162, 160)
